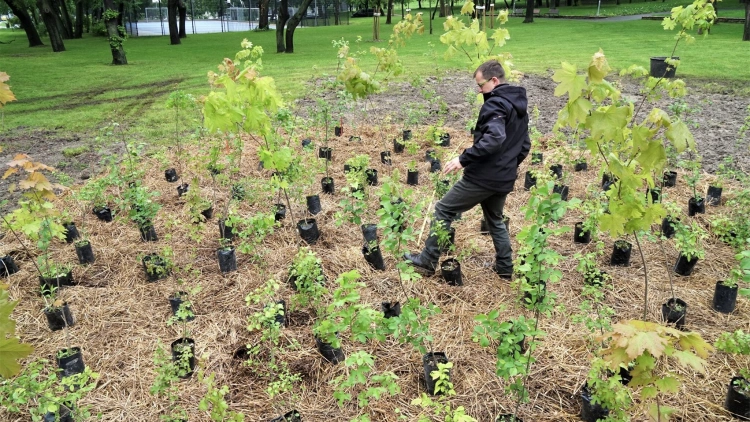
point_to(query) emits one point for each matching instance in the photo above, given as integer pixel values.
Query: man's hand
(452, 165)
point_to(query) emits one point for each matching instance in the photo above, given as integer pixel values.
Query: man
(501, 142)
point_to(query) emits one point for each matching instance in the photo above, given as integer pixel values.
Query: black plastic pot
(214, 170)
(238, 192)
(63, 415)
(581, 166)
(225, 231)
(669, 180)
(71, 364)
(103, 214)
(445, 140)
(279, 212)
(579, 235)
(608, 180)
(179, 348)
(327, 185)
(557, 170)
(435, 166)
(429, 155)
(338, 131)
(325, 152)
(313, 204)
(307, 143)
(355, 139)
(330, 353)
(696, 206)
(529, 181)
(349, 168)
(208, 213)
(48, 283)
(280, 317)
(370, 232)
(684, 266)
(508, 417)
(537, 158)
(737, 403)
(385, 157)
(71, 232)
(398, 146)
(591, 412)
(7, 266)
(84, 252)
(390, 309)
(655, 194)
(713, 195)
(660, 68)
(451, 272)
(430, 363)
(291, 416)
(148, 234)
(175, 301)
(59, 317)
(672, 315)
(372, 177)
(563, 190)
(667, 226)
(308, 230)
(725, 298)
(373, 256)
(159, 269)
(171, 175)
(412, 177)
(621, 253)
(406, 134)
(183, 189)
(594, 278)
(227, 260)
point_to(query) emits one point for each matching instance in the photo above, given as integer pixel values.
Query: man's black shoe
(419, 265)
(504, 273)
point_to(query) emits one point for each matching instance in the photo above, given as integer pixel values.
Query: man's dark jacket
(501, 140)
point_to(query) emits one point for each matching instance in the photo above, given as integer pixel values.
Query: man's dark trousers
(463, 196)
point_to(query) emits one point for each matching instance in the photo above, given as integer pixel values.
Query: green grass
(78, 90)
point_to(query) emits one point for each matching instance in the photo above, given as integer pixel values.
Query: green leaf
(11, 350)
(569, 81)
(607, 122)
(668, 384)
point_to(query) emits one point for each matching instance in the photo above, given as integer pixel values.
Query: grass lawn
(78, 90)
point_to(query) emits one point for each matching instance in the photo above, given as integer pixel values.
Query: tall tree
(48, 16)
(529, 12)
(63, 18)
(263, 12)
(115, 36)
(293, 23)
(21, 12)
(281, 19)
(746, 32)
(182, 8)
(174, 32)
(80, 17)
(389, 12)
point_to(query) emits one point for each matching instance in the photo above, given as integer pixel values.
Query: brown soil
(119, 323)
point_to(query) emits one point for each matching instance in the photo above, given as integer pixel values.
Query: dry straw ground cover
(120, 316)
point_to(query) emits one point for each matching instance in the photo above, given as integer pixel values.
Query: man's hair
(491, 69)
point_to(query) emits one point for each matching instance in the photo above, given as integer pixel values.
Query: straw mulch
(120, 317)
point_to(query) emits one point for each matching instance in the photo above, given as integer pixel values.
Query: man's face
(485, 85)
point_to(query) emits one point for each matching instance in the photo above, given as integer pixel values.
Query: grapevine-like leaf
(467, 8)
(598, 68)
(607, 122)
(6, 95)
(11, 351)
(569, 81)
(680, 136)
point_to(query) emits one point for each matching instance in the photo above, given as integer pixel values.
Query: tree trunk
(182, 8)
(419, 4)
(48, 16)
(442, 9)
(115, 37)
(80, 17)
(281, 18)
(293, 23)
(263, 14)
(66, 20)
(529, 12)
(336, 12)
(389, 12)
(746, 32)
(174, 32)
(27, 24)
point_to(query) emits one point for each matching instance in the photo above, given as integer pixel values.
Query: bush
(98, 29)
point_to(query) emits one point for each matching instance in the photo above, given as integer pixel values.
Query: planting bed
(120, 316)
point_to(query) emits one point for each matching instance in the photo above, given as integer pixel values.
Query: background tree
(115, 32)
(746, 32)
(47, 10)
(263, 18)
(292, 24)
(182, 8)
(529, 12)
(20, 10)
(174, 32)
(281, 19)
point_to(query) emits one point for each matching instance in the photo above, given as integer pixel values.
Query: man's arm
(491, 141)
(525, 148)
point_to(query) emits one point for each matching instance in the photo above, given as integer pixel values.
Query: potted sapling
(322, 118)
(692, 176)
(412, 175)
(178, 100)
(725, 293)
(214, 401)
(413, 113)
(142, 209)
(183, 349)
(689, 241)
(199, 208)
(363, 382)
(158, 266)
(700, 14)
(592, 208)
(737, 401)
(166, 383)
(671, 221)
